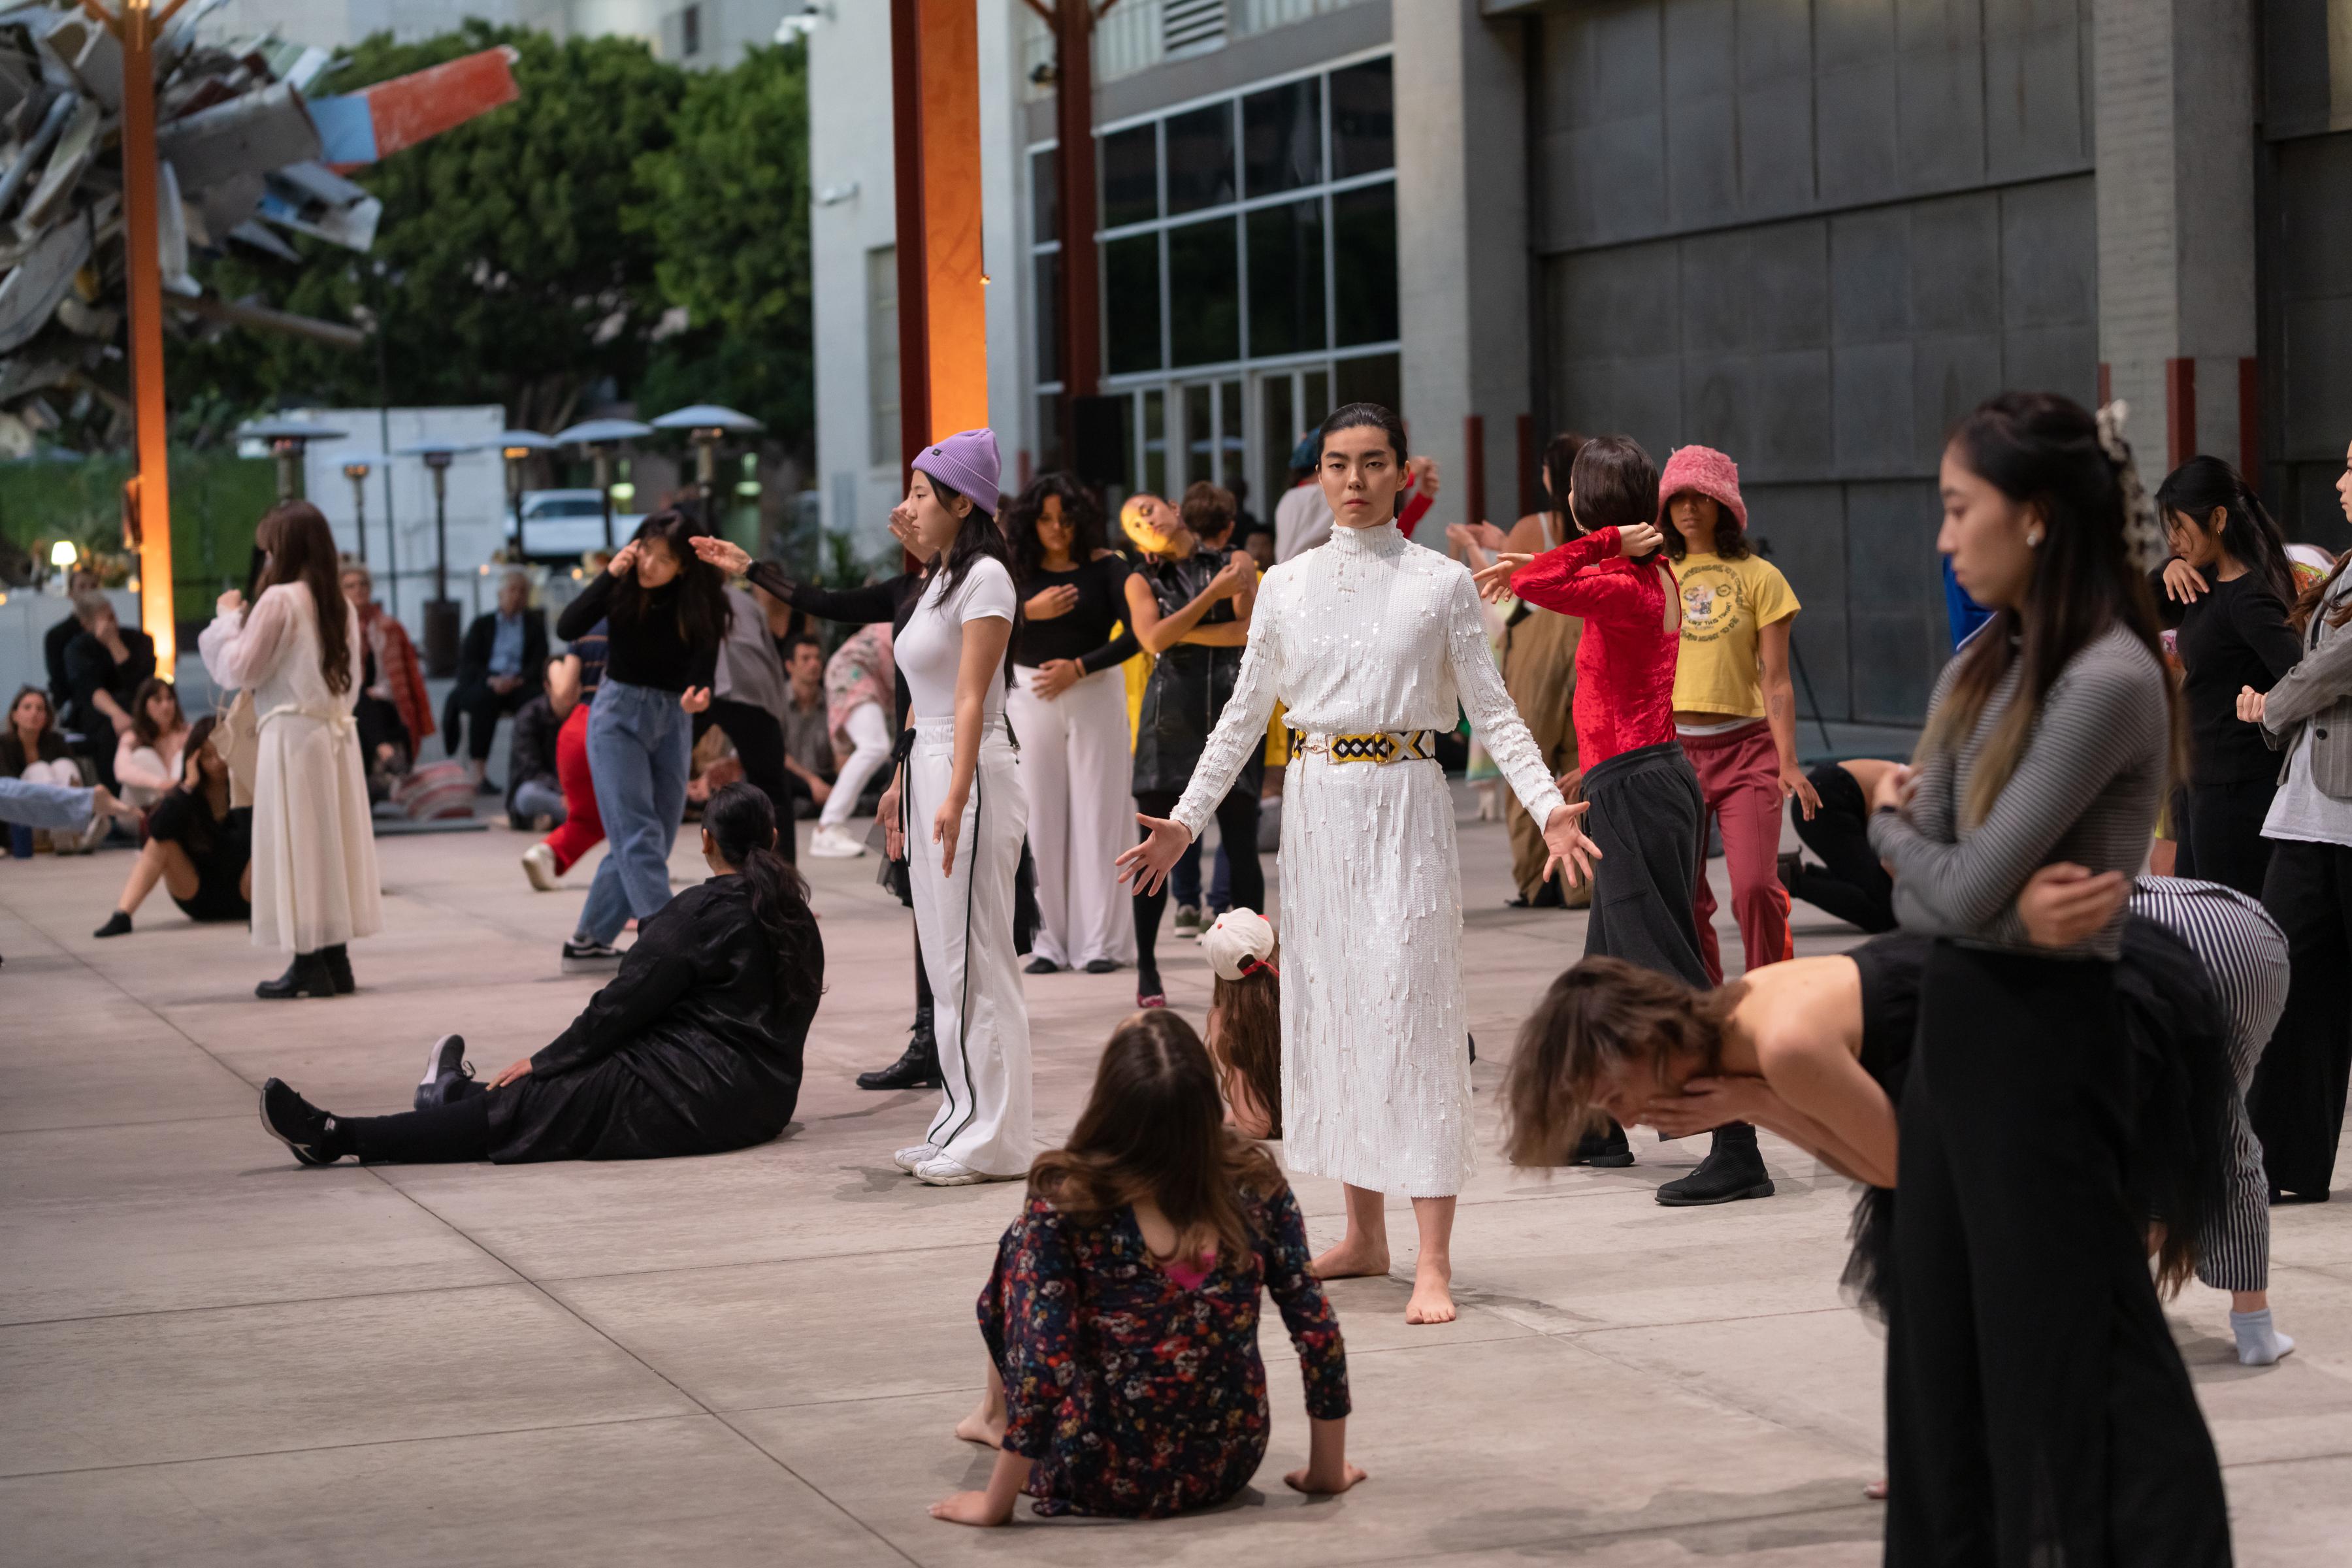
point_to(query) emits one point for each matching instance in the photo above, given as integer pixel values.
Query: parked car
(563, 525)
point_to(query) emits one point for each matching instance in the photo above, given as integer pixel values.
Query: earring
(2034, 539)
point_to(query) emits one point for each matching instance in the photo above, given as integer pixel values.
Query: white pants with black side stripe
(963, 917)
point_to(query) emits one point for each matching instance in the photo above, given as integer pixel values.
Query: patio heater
(515, 448)
(440, 611)
(600, 436)
(706, 425)
(288, 438)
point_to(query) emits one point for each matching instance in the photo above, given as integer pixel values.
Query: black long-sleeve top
(648, 651)
(2234, 636)
(893, 600)
(1085, 632)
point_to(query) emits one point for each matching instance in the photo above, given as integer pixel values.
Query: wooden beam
(956, 302)
(148, 503)
(907, 131)
(1074, 122)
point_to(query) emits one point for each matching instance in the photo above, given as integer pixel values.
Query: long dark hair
(978, 535)
(140, 724)
(1249, 1015)
(1598, 1018)
(743, 824)
(2249, 534)
(2044, 450)
(302, 549)
(1559, 463)
(48, 745)
(697, 594)
(1154, 1129)
(1365, 415)
(202, 826)
(1730, 539)
(1081, 510)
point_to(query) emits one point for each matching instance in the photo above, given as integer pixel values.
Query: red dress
(1133, 1394)
(1625, 660)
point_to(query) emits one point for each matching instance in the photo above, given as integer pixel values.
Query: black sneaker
(1042, 966)
(591, 958)
(446, 1068)
(1732, 1170)
(1101, 965)
(117, 924)
(1607, 1150)
(299, 1124)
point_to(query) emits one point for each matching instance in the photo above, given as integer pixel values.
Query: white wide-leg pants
(963, 918)
(870, 732)
(1076, 763)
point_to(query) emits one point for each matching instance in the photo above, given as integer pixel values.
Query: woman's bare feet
(1432, 1293)
(985, 1424)
(1356, 1258)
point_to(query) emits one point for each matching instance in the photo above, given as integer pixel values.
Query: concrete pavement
(209, 1355)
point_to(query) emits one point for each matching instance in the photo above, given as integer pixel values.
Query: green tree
(726, 210)
(502, 270)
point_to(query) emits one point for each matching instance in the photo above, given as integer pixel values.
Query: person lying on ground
(693, 1048)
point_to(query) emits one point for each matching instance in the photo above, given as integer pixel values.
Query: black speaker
(1099, 438)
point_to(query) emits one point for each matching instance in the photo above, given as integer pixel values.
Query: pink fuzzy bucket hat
(1707, 471)
(966, 463)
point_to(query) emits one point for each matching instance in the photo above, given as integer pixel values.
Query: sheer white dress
(315, 882)
(1371, 632)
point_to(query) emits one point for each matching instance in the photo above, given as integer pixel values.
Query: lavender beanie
(966, 463)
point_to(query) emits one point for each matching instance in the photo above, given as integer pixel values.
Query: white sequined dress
(1369, 632)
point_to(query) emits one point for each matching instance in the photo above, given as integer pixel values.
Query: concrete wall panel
(1870, 276)
(1788, 285)
(1790, 421)
(1895, 634)
(1855, 119)
(1715, 318)
(1956, 277)
(1776, 147)
(1950, 376)
(1617, 304)
(1873, 423)
(1801, 530)
(1702, 138)
(1940, 114)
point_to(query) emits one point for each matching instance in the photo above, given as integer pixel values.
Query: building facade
(1810, 232)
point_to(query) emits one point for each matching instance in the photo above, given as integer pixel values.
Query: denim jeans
(533, 800)
(31, 804)
(640, 745)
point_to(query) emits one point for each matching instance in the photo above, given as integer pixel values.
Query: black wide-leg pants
(2037, 1412)
(2297, 1103)
(1646, 811)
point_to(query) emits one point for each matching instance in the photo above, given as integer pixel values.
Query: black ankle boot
(1733, 1169)
(307, 975)
(117, 924)
(339, 967)
(917, 1066)
(1606, 1149)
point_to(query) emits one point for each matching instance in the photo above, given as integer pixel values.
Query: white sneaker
(943, 1171)
(832, 842)
(539, 865)
(909, 1158)
(1188, 921)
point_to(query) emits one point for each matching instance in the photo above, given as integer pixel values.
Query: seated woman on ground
(198, 846)
(694, 1047)
(1121, 1319)
(147, 757)
(1815, 1049)
(1245, 1021)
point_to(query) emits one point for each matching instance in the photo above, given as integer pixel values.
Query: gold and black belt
(1381, 746)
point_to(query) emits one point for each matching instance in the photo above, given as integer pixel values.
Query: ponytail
(743, 825)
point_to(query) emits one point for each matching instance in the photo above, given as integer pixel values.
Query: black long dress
(694, 1047)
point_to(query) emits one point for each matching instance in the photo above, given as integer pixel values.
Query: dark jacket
(1189, 683)
(13, 760)
(474, 657)
(53, 654)
(692, 1049)
(90, 669)
(530, 749)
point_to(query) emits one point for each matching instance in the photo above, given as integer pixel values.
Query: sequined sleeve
(1493, 715)
(1039, 1300)
(1241, 728)
(1306, 1311)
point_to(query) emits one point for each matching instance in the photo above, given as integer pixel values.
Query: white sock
(2259, 1344)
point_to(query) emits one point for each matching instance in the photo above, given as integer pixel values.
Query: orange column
(942, 307)
(150, 510)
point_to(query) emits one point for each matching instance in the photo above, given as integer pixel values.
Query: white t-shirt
(930, 650)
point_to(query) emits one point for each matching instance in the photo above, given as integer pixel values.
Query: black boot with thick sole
(917, 1068)
(307, 975)
(1733, 1170)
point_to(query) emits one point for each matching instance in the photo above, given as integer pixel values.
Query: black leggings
(453, 1133)
(1237, 828)
(1850, 883)
(2037, 1410)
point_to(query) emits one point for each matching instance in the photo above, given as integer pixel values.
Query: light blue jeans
(46, 805)
(640, 746)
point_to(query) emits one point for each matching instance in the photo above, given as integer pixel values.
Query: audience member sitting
(33, 748)
(534, 791)
(694, 1047)
(808, 731)
(497, 672)
(1121, 1319)
(147, 757)
(198, 844)
(104, 669)
(395, 714)
(80, 581)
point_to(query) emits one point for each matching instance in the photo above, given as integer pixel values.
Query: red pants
(1739, 778)
(583, 829)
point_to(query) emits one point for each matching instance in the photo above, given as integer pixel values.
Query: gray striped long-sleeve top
(2084, 790)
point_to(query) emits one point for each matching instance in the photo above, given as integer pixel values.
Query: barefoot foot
(984, 1425)
(1432, 1295)
(1353, 1258)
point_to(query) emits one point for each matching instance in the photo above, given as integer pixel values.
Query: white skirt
(1375, 1044)
(315, 882)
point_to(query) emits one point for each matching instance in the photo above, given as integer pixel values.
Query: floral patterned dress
(1132, 1393)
